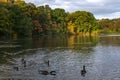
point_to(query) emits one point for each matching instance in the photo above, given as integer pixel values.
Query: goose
(16, 68)
(53, 73)
(43, 72)
(48, 63)
(23, 62)
(83, 72)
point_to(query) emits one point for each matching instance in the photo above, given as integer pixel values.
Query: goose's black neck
(84, 67)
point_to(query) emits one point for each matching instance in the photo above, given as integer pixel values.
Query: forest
(18, 19)
(109, 26)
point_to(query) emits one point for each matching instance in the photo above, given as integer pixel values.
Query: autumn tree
(83, 21)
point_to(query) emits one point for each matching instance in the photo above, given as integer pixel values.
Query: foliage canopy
(25, 19)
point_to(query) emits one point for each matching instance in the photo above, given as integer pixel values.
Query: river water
(65, 55)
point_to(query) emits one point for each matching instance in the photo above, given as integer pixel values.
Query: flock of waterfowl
(46, 72)
(43, 72)
(23, 61)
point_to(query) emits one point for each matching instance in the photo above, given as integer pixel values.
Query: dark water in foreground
(66, 56)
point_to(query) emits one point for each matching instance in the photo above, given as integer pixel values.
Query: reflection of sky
(102, 62)
(107, 65)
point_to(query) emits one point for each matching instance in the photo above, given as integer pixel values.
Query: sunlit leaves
(84, 21)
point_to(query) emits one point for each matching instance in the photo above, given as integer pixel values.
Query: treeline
(108, 26)
(25, 19)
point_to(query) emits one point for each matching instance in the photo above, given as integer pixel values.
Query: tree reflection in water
(64, 55)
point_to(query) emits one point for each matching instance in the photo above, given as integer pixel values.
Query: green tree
(59, 16)
(5, 20)
(84, 21)
(22, 23)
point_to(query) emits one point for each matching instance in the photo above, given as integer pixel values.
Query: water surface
(66, 56)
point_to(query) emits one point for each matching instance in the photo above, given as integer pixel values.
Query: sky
(100, 8)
